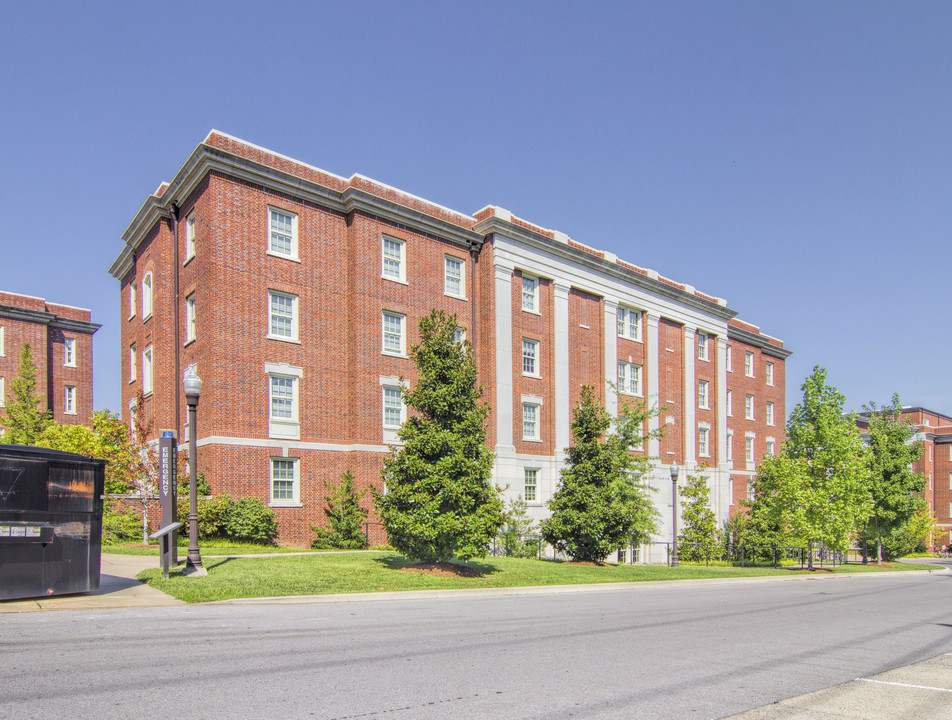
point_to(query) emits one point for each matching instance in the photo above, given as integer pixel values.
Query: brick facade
(354, 266)
(61, 339)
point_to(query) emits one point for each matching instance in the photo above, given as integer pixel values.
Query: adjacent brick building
(934, 431)
(297, 294)
(61, 339)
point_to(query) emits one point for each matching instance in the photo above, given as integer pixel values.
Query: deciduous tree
(699, 537)
(439, 501)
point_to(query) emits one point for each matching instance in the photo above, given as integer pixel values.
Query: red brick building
(61, 338)
(934, 431)
(297, 294)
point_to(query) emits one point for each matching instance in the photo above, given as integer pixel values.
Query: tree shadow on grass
(457, 568)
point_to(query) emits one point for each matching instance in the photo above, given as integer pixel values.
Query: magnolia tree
(816, 489)
(600, 507)
(438, 501)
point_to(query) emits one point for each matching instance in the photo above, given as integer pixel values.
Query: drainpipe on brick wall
(474, 253)
(173, 221)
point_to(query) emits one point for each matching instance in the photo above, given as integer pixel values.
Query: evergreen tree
(599, 506)
(345, 516)
(894, 487)
(816, 488)
(698, 539)
(22, 418)
(518, 526)
(438, 501)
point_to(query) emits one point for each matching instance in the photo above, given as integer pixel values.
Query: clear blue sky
(794, 158)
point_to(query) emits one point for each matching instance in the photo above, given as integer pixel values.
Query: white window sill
(532, 375)
(531, 312)
(188, 342)
(628, 337)
(132, 380)
(67, 412)
(146, 317)
(131, 317)
(188, 260)
(281, 256)
(66, 365)
(391, 353)
(279, 338)
(455, 297)
(628, 394)
(147, 394)
(399, 281)
(284, 504)
(703, 407)
(533, 440)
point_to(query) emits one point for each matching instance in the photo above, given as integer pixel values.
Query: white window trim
(704, 346)
(730, 403)
(769, 373)
(295, 501)
(751, 459)
(624, 383)
(69, 352)
(294, 317)
(538, 472)
(69, 400)
(625, 310)
(394, 383)
(190, 237)
(293, 255)
(729, 359)
(748, 366)
(769, 413)
(535, 295)
(462, 277)
(749, 407)
(285, 428)
(536, 358)
(403, 334)
(704, 430)
(402, 268)
(3, 394)
(148, 371)
(147, 295)
(730, 447)
(707, 394)
(771, 446)
(3, 350)
(191, 331)
(133, 304)
(536, 402)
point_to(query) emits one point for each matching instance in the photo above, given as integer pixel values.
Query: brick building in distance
(934, 431)
(61, 339)
(297, 293)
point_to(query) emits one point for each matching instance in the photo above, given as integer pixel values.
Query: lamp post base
(193, 570)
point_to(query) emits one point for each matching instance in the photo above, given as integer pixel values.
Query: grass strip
(328, 574)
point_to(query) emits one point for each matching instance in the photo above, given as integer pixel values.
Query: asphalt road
(651, 651)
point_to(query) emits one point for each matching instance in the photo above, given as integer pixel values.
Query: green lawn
(328, 574)
(207, 547)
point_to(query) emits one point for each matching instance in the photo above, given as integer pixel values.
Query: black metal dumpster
(51, 507)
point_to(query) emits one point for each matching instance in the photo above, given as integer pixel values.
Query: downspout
(173, 221)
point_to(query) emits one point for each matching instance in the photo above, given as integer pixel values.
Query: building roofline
(42, 317)
(758, 340)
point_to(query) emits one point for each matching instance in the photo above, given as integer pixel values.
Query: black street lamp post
(193, 386)
(674, 515)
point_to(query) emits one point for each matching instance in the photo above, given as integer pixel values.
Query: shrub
(120, 527)
(345, 517)
(249, 519)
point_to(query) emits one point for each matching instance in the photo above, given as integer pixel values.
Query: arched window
(147, 295)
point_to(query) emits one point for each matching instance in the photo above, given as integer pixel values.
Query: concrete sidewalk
(118, 588)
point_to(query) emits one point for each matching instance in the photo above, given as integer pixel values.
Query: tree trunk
(810, 555)
(145, 524)
(879, 549)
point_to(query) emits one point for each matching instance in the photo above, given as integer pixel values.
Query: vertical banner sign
(167, 489)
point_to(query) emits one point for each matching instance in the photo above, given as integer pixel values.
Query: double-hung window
(282, 316)
(530, 293)
(394, 410)
(394, 342)
(2, 343)
(3, 394)
(392, 266)
(282, 233)
(730, 403)
(629, 323)
(284, 481)
(454, 279)
(769, 413)
(69, 404)
(147, 371)
(283, 400)
(189, 237)
(729, 360)
(132, 300)
(771, 445)
(530, 357)
(749, 449)
(530, 421)
(749, 407)
(190, 318)
(703, 388)
(703, 345)
(768, 373)
(730, 446)
(748, 363)
(459, 334)
(629, 378)
(133, 362)
(147, 296)
(703, 433)
(531, 484)
(69, 352)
